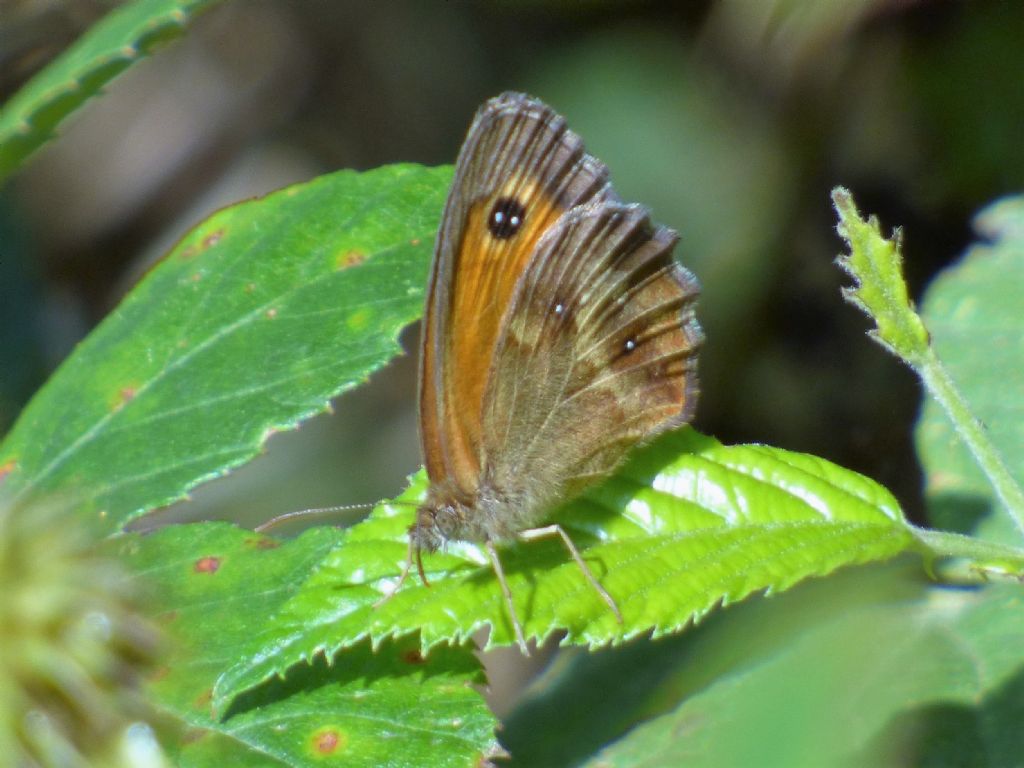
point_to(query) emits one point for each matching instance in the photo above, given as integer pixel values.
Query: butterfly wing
(598, 352)
(519, 165)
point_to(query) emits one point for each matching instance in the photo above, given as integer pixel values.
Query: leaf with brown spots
(257, 330)
(364, 709)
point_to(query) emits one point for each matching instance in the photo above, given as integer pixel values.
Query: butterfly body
(558, 333)
(492, 515)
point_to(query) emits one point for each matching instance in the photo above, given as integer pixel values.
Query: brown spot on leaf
(202, 701)
(271, 313)
(193, 735)
(412, 656)
(124, 396)
(207, 564)
(189, 252)
(213, 238)
(415, 241)
(262, 543)
(6, 468)
(350, 259)
(196, 277)
(327, 741)
(159, 674)
(250, 287)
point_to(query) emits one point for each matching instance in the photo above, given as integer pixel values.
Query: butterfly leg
(548, 531)
(405, 574)
(492, 552)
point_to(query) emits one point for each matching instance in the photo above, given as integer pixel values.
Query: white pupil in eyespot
(500, 217)
(559, 309)
(506, 218)
(630, 345)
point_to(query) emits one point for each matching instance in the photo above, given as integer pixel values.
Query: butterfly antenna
(315, 512)
(319, 511)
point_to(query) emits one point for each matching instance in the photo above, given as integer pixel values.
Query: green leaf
(652, 678)
(212, 586)
(875, 264)
(973, 311)
(124, 36)
(252, 322)
(846, 671)
(859, 671)
(686, 525)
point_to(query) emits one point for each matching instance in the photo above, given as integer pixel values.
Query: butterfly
(559, 332)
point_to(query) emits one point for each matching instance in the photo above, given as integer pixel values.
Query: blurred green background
(731, 120)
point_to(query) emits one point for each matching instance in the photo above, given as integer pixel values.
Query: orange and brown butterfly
(559, 332)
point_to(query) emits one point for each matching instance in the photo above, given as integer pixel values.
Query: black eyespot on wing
(506, 218)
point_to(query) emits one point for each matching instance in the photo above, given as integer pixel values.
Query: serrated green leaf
(124, 36)
(876, 265)
(686, 525)
(212, 585)
(974, 313)
(252, 322)
(852, 682)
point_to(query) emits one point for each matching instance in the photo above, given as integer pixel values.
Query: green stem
(939, 383)
(981, 552)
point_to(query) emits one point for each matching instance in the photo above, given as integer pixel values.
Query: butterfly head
(438, 519)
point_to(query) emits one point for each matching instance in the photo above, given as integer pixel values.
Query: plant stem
(981, 552)
(939, 383)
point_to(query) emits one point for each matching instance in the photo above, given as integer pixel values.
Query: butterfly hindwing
(598, 353)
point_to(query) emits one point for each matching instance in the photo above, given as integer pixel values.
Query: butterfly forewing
(518, 172)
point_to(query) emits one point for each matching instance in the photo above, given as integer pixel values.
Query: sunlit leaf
(686, 525)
